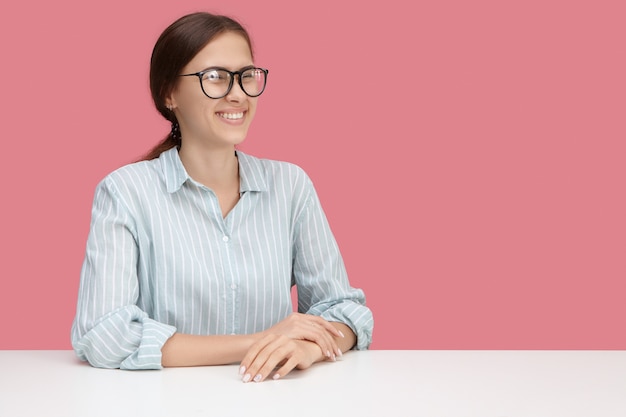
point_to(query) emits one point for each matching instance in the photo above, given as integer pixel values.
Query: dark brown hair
(174, 49)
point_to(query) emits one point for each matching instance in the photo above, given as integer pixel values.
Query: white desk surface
(369, 383)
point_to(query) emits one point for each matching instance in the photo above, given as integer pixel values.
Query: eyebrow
(226, 69)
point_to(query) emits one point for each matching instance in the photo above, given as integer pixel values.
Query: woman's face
(207, 122)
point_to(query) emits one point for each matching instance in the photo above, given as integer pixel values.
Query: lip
(234, 122)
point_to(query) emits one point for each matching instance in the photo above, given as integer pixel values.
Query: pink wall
(469, 154)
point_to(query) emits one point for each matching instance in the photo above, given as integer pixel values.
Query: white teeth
(231, 116)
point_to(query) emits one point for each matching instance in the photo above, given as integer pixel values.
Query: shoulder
(133, 172)
(274, 172)
(130, 178)
(270, 165)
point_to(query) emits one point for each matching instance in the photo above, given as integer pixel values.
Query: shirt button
(233, 286)
(225, 238)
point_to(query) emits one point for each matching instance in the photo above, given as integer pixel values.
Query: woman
(192, 251)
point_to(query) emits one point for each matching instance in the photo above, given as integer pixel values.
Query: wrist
(313, 350)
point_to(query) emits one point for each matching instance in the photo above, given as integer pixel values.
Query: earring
(169, 107)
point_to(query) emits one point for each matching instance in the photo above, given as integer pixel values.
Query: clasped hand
(296, 342)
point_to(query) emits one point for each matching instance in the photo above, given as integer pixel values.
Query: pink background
(469, 155)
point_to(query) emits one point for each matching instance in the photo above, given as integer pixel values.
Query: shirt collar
(251, 172)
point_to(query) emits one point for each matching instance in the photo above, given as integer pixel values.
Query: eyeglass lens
(215, 82)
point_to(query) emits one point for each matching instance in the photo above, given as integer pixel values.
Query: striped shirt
(160, 258)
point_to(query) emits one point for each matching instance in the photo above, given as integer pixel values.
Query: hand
(274, 351)
(309, 327)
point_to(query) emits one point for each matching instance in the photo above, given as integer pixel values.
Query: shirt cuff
(148, 354)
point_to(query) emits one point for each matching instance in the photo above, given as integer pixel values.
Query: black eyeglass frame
(232, 79)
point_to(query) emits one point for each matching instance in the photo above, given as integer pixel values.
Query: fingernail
(328, 353)
(340, 334)
(257, 378)
(242, 370)
(275, 377)
(247, 377)
(339, 353)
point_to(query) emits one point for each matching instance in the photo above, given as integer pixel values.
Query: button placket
(231, 274)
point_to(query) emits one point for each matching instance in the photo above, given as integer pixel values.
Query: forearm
(343, 343)
(348, 341)
(192, 350)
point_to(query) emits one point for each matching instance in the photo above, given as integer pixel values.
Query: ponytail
(170, 141)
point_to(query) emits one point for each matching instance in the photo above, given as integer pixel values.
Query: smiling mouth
(231, 116)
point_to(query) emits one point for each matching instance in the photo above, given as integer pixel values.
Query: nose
(236, 94)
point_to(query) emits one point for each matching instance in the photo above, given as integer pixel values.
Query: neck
(217, 168)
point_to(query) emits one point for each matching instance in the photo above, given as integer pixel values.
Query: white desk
(371, 383)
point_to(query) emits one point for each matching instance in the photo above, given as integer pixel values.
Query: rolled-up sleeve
(320, 274)
(109, 329)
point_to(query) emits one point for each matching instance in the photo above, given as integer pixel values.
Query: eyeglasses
(217, 82)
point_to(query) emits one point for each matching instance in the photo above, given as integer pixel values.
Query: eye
(215, 76)
(251, 73)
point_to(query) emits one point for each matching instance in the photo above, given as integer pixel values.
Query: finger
(253, 352)
(325, 341)
(328, 326)
(332, 332)
(287, 367)
(268, 358)
(282, 354)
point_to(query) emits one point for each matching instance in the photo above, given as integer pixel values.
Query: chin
(237, 140)
(236, 137)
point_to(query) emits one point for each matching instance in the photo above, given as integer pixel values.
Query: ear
(170, 102)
